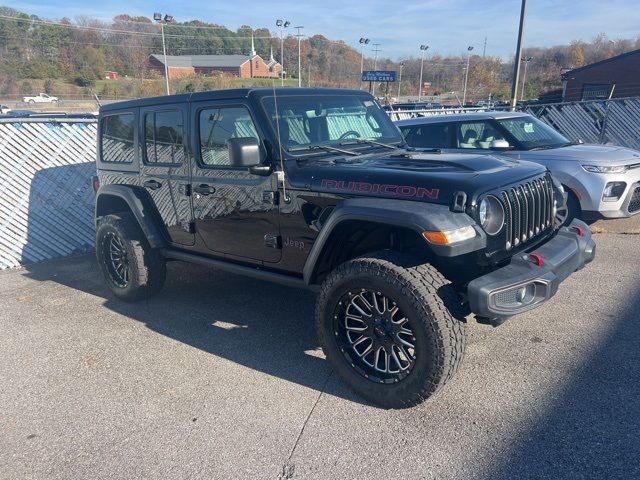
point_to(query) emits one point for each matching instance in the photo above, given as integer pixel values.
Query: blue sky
(448, 26)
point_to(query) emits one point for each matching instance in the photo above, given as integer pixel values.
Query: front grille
(528, 210)
(634, 203)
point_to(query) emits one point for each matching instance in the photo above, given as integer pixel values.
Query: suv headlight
(491, 215)
(606, 168)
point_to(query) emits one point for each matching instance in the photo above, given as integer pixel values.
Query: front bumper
(531, 278)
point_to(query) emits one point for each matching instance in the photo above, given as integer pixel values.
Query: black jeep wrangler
(315, 188)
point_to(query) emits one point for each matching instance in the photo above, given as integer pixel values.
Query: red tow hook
(537, 259)
(578, 230)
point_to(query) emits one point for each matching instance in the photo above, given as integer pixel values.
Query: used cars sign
(379, 76)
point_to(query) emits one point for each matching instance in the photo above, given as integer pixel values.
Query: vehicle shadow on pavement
(590, 428)
(263, 326)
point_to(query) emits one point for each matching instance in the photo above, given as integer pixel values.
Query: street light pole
(299, 56)
(400, 79)
(375, 66)
(167, 19)
(363, 42)
(516, 66)
(423, 49)
(524, 74)
(466, 76)
(282, 24)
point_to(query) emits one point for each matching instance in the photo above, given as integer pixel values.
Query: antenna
(280, 150)
(484, 49)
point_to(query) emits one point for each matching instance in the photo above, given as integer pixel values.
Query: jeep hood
(414, 176)
(592, 154)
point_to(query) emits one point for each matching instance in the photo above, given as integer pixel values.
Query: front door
(235, 212)
(165, 168)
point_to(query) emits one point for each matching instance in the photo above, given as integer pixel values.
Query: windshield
(530, 133)
(329, 120)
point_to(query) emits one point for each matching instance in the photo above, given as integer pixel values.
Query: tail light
(95, 183)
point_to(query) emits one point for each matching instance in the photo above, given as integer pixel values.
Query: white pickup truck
(40, 98)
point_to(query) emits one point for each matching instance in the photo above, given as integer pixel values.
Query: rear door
(235, 212)
(165, 168)
(430, 135)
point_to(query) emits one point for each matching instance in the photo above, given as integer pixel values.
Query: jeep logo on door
(384, 189)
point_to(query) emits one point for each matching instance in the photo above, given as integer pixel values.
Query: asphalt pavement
(221, 377)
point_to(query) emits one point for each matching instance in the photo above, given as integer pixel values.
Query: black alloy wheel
(116, 259)
(375, 336)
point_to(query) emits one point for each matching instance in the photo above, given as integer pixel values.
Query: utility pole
(516, 66)
(375, 66)
(299, 56)
(423, 49)
(400, 79)
(282, 24)
(466, 76)
(526, 61)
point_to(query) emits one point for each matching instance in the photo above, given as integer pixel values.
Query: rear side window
(117, 138)
(435, 135)
(164, 137)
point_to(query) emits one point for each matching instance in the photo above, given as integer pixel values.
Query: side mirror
(499, 145)
(244, 152)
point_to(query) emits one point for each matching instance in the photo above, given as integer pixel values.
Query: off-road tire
(147, 268)
(429, 302)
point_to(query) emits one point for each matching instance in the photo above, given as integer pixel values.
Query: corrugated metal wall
(46, 199)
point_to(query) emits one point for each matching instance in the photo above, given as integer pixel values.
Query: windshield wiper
(370, 142)
(545, 147)
(326, 148)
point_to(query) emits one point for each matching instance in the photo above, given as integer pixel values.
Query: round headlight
(491, 215)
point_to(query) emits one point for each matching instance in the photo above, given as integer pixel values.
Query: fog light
(516, 297)
(613, 191)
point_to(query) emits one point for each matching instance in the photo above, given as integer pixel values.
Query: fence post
(603, 127)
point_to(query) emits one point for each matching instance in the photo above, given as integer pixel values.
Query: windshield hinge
(459, 202)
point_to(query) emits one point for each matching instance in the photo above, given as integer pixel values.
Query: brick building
(615, 77)
(243, 66)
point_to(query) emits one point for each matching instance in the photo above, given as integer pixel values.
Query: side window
(117, 138)
(477, 135)
(164, 137)
(435, 135)
(217, 125)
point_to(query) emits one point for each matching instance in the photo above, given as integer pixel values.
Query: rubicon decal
(384, 189)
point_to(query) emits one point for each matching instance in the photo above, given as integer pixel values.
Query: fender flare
(416, 216)
(141, 210)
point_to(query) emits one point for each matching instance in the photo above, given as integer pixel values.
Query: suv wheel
(571, 210)
(386, 324)
(132, 269)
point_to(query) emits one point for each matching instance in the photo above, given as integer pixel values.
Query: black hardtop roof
(228, 94)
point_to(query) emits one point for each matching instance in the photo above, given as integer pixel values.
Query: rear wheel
(131, 268)
(388, 326)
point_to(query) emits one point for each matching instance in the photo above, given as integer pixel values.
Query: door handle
(204, 189)
(152, 184)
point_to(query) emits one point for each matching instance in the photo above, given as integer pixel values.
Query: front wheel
(387, 324)
(570, 210)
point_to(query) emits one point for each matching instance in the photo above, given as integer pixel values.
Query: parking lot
(221, 377)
